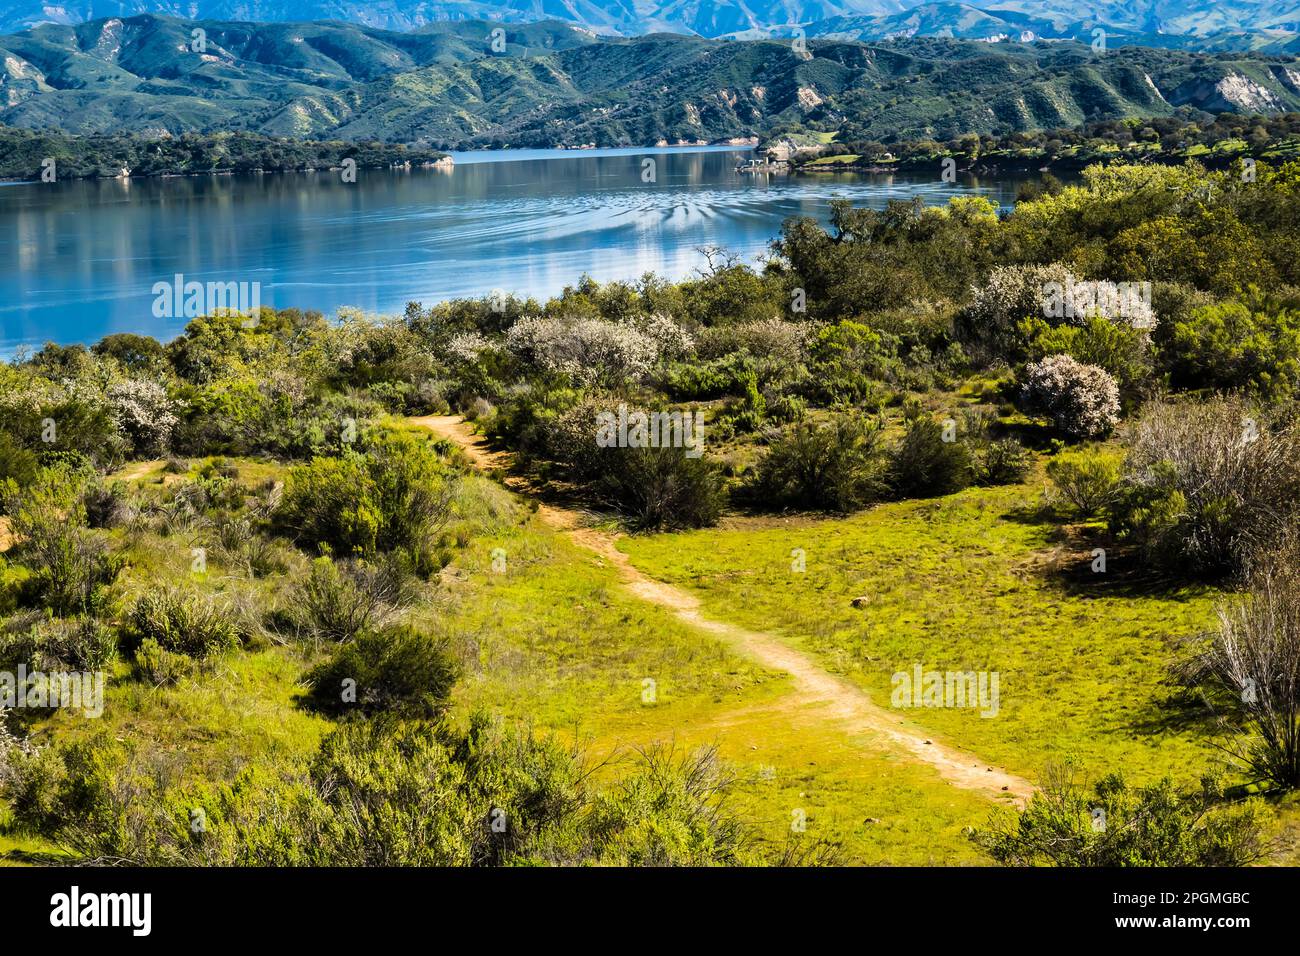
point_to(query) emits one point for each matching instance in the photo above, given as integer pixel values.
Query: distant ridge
(474, 84)
(1224, 23)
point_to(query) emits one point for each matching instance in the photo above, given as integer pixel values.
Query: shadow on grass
(1033, 435)
(1181, 710)
(1125, 575)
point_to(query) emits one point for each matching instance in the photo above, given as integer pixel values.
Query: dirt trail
(136, 470)
(817, 694)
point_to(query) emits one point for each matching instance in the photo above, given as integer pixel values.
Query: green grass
(551, 638)
(555, 640)
(966, 582)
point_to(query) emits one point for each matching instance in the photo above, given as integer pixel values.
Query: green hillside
(549, 84)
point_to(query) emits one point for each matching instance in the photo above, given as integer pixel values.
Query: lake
(79, 260)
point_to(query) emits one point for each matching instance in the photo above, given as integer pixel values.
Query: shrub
(991, 321)
(837, 466)
(182, 622)
(1088, 481)
(1235, 346)
(13, 583)
(332, 502)
(80, 423)
(144, 414)
(382, 792)
(1254, 658)
(339, 600)
(410, 794)
(849, 360)
(17, 464)
(395, 496)
(656, 488)
(56, 644)
(275, 413)
(160, 666)
(924, 463)
(1206, 485)
(542, 420)
(588, 351)
(136, 353)
(79, 644)
(1001, 462)
(1122, 350)
(1121, 825)
(1081, 400)
(672, 811)
(701, 381)
(71, 569)
(106, 505)
(774, 339)
(241, 544)
(398, 671)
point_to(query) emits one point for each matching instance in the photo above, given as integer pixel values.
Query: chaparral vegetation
(336, 629)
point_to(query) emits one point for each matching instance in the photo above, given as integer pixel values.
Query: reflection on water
(80, 258)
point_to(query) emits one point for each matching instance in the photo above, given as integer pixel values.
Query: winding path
(817, 694)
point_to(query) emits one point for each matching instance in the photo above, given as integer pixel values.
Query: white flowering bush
(671, 341)
(588, 351)
(465, 348)
(144, 413)
(1008, 296)
(1122, 303)
(1082, 400)
(773, 338)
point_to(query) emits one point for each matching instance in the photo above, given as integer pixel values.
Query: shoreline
(1023, 167)
(444, 162)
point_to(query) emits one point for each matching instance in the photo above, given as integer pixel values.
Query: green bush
(658, 488)
(71, 569)
(1121, 825)
(13, 584)
(848, 361)
(1088, 481)
(383, 792)
(396, 671)
(672, 811)
(1234, 346)
(395, 496)
(160, 666)
(837, 466)
(705, 380)
(925, 462)
(17, 464)
(339, 600)
(1122, 350)
(182, 622)
(1001, 462)
(48, 644)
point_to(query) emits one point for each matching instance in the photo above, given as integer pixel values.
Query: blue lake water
(79, 260)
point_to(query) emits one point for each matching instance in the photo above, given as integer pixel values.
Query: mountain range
(469, 84)
(1222, 20)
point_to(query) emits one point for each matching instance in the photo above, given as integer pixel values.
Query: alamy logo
(134, 910)
(639, 429)
(71, 690)
(179, 299)
(922, 688)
